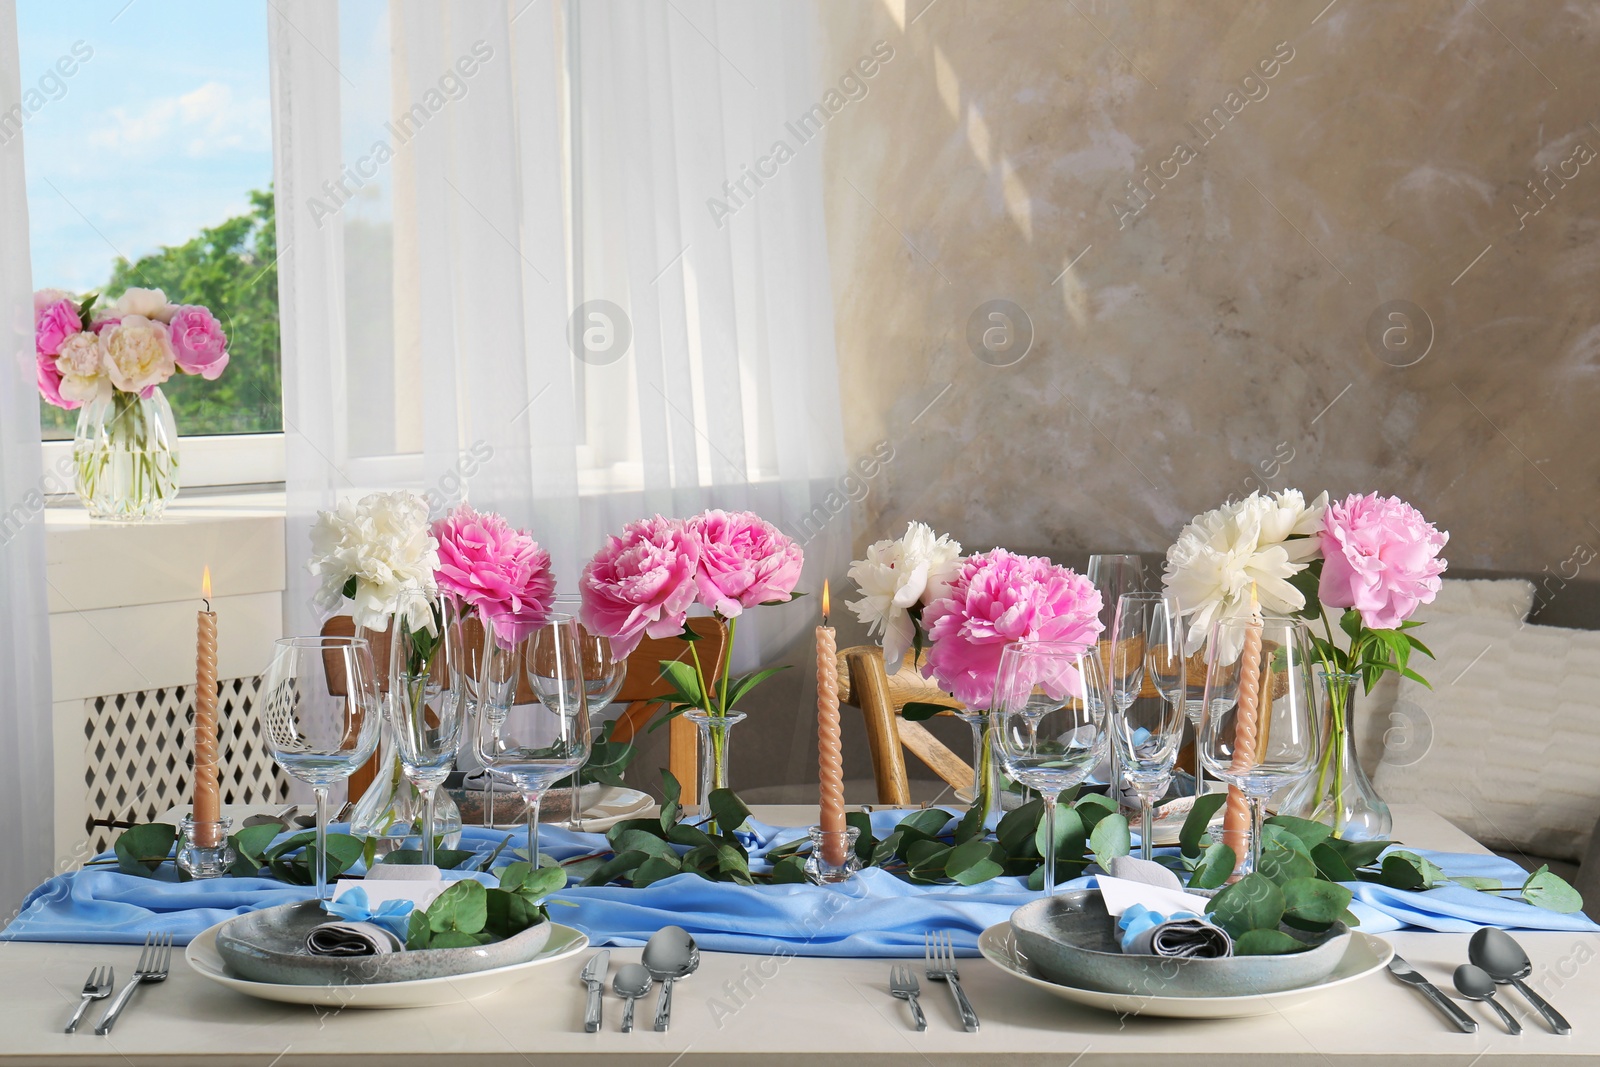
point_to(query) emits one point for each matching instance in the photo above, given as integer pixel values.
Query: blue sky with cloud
(163, 130)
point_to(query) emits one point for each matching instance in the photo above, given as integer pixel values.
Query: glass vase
(391, 809)
(1337, 791)
(715, 733)
(985, 768)
(125, 456)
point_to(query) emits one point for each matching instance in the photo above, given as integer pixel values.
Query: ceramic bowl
(1069, 939)
(270, 946)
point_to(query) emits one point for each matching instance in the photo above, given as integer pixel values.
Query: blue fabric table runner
(874, 915)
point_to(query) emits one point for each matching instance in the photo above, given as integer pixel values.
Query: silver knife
(594, 976)
(1408, 974)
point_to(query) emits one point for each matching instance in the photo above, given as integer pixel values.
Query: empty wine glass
(426, 705)
(536, 743)
(1147, 670)
(1049, 722)
(603, 679)
(320, 708)
(1258, 721)
(1114, 574)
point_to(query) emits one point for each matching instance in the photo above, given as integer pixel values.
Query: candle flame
(205, 583)
(825, 600)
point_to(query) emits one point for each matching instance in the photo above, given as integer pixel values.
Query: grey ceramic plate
(269, 946)
(1068, 938)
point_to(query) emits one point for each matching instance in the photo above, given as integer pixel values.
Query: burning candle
(207, 795)
(830, 749)
(1236, 820)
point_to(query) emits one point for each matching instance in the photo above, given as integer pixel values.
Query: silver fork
(903, 984)
(152, 968)
(97, 987)
(939, 952)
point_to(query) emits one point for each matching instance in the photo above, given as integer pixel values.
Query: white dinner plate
(1366, 955)
(614, 807)
(425, 992)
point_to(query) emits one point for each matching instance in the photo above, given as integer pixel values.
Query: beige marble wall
(1217, 336)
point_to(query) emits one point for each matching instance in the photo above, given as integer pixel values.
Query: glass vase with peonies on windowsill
(108, 363)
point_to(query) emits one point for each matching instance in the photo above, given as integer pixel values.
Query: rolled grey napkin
(1182, 939)
(351, 939)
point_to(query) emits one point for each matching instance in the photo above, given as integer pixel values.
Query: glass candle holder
(818, 869)
(205, 861)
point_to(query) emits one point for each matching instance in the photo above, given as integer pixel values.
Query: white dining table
(769, 1009)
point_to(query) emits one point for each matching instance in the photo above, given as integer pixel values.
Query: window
(149, 160)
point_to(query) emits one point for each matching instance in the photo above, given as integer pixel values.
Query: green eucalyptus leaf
(643, 841)
(463, 907)
(1357, 854)
(672, 791)
(928, 821)
(1267, 943)
(975, 861)
(970, 827)
(617, 866)
(1284, 865)
(1018, 828)
(1546, 889)
(508, 914)
(1308, 833)
(865, 842)
(692, 837)
(1407, 870)
(1110, 839)
(789, 871)
(418, 932)
(1331, 864)
(1071, 836)
(728, 810)
(1282, 838)
(1214, 867)
(1200, 816)
(457, 939)
(1092, 807)
(921, 710)
(141, 849)
(1314, 900)
(1254, 902)
(655, 869)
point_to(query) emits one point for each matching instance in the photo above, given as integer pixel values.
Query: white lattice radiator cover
(138, 759)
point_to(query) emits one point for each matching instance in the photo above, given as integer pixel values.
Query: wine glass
(1147, 670)
(1258, 720)
(320, 706)
(426, 696)
(536, 743)
(1049, 721)
(1114, 574)
(603, 678)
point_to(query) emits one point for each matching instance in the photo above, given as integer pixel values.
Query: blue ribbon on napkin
(392, 915)
(875, 914)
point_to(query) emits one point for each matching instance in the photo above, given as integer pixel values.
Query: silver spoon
(670, 954)
(633, 982)
(1474, 983)
(1498, 953)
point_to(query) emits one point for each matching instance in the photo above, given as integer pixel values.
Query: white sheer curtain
(27, 827)
(517, 174)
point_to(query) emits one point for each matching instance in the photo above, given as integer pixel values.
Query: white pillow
(1507, 742)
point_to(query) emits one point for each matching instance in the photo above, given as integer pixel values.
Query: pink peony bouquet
(489, 565)
(131, 346)
(997, 598)
(643, 583)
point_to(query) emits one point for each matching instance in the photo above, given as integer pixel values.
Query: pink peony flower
(49, 377)
(198, 343)
(44, 299)
(54, 325)
(744, 561)
(997, 598)
(641, 583)
(487, 563)
(1380, 556)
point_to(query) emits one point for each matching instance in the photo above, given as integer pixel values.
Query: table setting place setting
(1089, 865)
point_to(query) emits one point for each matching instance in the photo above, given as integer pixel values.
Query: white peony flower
(1258, 542)
(83, 368)
(897, 579)
(138, 353)
(383, 542)
(150, 303)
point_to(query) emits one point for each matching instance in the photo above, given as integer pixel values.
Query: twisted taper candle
(830, 747)
(207, 794)
(1236, 821)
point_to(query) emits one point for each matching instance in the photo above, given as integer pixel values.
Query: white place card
(1120, 894)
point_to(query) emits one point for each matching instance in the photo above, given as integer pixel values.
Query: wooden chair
(644, 687)
(641, 690)
(880, 697)
(866, 685)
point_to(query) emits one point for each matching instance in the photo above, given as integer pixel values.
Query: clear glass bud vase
(1337, 791)
(715, 733)
(125, 456)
